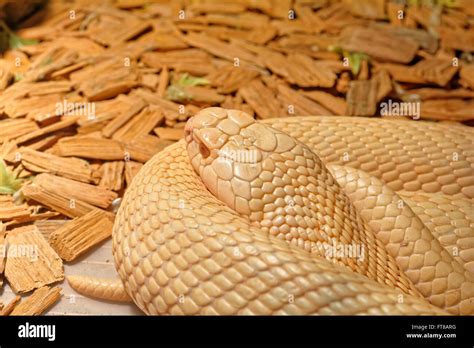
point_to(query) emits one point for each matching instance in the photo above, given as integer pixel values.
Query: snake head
(258, 171)
(226, 148)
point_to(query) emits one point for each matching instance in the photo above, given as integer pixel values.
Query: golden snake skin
(205, 259)
(288, 192)
(406, 155)
(101, 288)
(451, 221)
(180, 249)
(436, 273)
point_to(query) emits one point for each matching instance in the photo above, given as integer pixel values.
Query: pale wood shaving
(131, 170)
(38, 302)
(112, 175)
(87, 193)
(46, 227)
(169, 133)
(81, 234)
(261, 99)
(55, 200)
(41, 162)
(379, 44)
(89, 147)
(31, 262)
(10, 306)
(362, 98)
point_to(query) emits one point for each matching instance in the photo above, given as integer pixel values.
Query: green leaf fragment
(18, 77)
(17, 42)
(335, 49)
(354, 58)
(9, 183)
(189, 80)
(9, 40)
(176, 91)
(433, 3)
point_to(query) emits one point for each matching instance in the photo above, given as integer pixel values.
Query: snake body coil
(244, 217)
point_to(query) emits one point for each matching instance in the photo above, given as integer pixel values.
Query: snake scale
(299, 215)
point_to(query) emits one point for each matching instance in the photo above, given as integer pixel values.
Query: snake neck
(298, 200)
(295, 198)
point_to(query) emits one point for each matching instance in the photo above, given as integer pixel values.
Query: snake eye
(188, 129)
(187, 133)
(203, 149)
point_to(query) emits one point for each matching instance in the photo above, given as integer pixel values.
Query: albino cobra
(299, 215)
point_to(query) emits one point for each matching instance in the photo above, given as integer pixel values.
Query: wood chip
(12, 211)
(195, 62)
(40, 162)
(245, 20)
(87, 193)
(219, 48)
(439, 71)
(90, 147)
(458, 39)
(144, 148)
(300, 69)
(337, 105)
(448, 109)
(5, 77)
(149, 80)
(9, 151)
(14, 128)
(2, 252)
(201, 95)
(135, 106)
(402, 73)
(362, 98)
(425, 39)
(57, 201)
(131, 169)
(163, 82)
(46, 227)
(49, 87)
(112, 175)
(436, 93)
(384, 84)
(139, 125)
(81, 234)
(261, 99)
(297, 104)
(374, 9)
(31, 262)
(229, 78)
(39, 302)
(169, 133)
(467, 76)
(379, 44)
(173, 112)
(10, 306)
(199, 8)
(46, 130)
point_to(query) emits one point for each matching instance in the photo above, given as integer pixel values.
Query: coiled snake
(299, 215)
